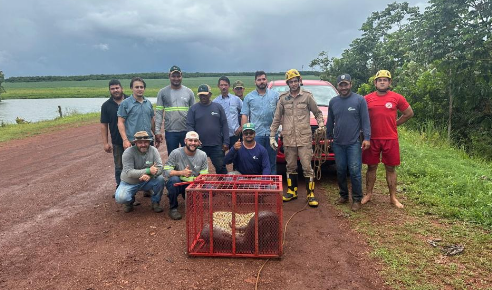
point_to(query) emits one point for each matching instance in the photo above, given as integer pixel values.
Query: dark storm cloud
(84, 37)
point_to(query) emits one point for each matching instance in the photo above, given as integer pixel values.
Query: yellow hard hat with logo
(383, 74)
(292, 73)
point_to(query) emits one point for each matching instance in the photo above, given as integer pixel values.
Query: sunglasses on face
(239, 88)
(246, 133)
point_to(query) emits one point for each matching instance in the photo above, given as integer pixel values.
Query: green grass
(447, 196)
(99, 88)
(19, 131)
(446, 180)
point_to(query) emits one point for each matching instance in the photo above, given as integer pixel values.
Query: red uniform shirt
(383, 113)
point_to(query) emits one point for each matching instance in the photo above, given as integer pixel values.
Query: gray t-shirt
(136, 163)
(176, 104)
(177, 162)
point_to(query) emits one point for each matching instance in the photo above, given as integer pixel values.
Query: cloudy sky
(55, 37)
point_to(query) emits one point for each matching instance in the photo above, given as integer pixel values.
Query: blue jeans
(174, 191)
(217, 157)
(118, 162)
(125, 193)
(173, 139)
(349, 156)
(272, 154)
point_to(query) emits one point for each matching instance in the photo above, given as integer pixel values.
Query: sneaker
(136, 203)
(128, 207)
(174, 214)
(156, 207)
(356, 205)
(342, 200)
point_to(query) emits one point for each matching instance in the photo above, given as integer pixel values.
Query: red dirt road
(61, 229)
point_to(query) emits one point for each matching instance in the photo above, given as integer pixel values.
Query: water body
(35, 110)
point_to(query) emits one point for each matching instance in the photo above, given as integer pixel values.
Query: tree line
(441, 61)
(153, 75)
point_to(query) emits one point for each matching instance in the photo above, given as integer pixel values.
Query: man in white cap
(184, 165)
(142, 170)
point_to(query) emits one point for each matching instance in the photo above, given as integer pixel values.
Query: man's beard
(261, 86)
(190, 149)
(117, 98)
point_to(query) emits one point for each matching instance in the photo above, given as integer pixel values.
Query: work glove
(273, 143)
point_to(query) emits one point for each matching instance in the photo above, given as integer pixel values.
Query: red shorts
(386, 151)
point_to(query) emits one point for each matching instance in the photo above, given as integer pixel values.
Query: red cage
(234, 216)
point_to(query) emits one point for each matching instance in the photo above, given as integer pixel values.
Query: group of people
(243, 130)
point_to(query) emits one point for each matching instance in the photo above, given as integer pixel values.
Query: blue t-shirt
(347, 116)
(210, 122)
(260, 110)
(249, 161)
(138, 116)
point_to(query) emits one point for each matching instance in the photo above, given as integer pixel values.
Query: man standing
(232, 107)
(109, 119)
(142, 169)
(249, 157)
(209, 120)
(293, 112)
(183, 165)
(135, 113)
(347, 117)
(175, 99)
(258, 108)
(383, 105)
(238, 88)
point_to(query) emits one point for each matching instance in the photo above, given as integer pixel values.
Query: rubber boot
(291, 187)
(310, 192)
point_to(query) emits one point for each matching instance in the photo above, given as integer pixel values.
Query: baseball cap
(249, 126)
(204, 89)
(344, 78)
(238, 83)
(174, 68)
(192, 135)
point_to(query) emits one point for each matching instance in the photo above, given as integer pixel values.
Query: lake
(35, 110)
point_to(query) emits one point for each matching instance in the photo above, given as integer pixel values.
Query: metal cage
(234, 216)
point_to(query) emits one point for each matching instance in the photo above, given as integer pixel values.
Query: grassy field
(99, 89)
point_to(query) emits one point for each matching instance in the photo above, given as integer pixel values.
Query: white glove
(273, 143)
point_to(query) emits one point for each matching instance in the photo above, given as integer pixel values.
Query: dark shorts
(386, 151)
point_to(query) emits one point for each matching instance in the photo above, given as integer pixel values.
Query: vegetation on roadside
(18, 131)
(448, 201)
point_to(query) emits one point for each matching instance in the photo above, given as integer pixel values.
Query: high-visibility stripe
(159, 108)
(191, 178)
(168, 167)
(170, 109)
(204, 172)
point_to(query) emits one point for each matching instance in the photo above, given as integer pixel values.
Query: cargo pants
(305, 154)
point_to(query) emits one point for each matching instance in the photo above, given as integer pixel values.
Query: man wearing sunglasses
(249, 157)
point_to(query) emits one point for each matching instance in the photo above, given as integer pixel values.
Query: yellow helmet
(292, 73)
(383, 74)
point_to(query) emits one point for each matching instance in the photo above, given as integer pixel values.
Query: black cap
(344, 78)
